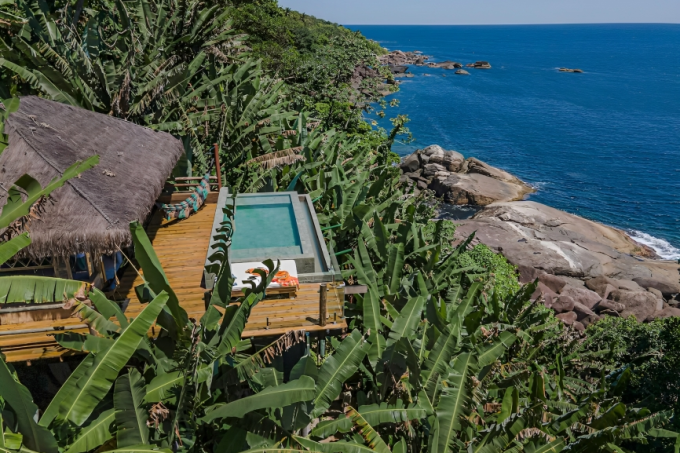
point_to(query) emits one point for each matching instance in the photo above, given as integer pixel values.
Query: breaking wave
(662, 247)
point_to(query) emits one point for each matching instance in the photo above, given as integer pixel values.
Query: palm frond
(279, 158)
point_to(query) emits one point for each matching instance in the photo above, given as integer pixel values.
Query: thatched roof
(91, 213)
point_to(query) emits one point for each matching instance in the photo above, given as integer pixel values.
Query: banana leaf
(15, 207)
(337, 369)
(486, 356)
(95, 434)
(107, 308)
(18, 398)
(234, 321)
(440, 356)
(65, 391)
(377, 414)
(372, 438)
(405, 325)
(271, 397)
(330, 447)
(452, 406)
(10, 248)
(141, 449)
(155, 276)
(160, 388)
(95, 320)
(98, 379)
(131, 416)
(39, 290)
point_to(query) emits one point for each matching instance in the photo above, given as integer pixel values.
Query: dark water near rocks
(604, 144)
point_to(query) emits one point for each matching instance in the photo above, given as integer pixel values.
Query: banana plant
(177, 69)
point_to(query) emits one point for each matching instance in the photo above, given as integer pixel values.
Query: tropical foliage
(652, 353)
(317, 60)
(166, 65)
(437, 360)
(442, 358)
(175, 67)
(445, 351)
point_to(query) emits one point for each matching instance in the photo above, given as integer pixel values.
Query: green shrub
(652, 350)
(504, 273)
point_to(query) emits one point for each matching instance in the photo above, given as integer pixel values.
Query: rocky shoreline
(399, 61)
(585, 269)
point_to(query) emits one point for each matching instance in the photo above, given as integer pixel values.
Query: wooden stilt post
(217, 168)
(322, 304)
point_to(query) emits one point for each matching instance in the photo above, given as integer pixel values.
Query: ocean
(604, 144)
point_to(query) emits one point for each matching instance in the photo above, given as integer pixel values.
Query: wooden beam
(356, 289)
(323, 311)
(217, 168)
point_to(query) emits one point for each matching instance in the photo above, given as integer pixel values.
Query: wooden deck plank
(181, 247)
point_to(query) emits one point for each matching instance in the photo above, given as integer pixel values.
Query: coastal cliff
(586, 269)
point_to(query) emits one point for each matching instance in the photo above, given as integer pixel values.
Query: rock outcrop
(461, 181)
(573, 304)
(585, 270)
(556, 242)
(399, 58)
(622, 277)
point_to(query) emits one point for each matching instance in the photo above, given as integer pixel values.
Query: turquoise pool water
(265, 224)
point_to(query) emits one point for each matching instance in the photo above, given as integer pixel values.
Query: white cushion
(241, 276)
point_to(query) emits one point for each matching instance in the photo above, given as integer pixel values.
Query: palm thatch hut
(90, 213)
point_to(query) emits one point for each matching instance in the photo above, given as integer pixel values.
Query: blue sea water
(604, 144)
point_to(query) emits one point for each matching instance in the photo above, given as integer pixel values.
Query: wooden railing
(186, 181)
(181, 188)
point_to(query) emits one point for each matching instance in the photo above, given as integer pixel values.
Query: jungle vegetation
(445, 352)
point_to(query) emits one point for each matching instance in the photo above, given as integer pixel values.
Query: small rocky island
(586, 270)
(579, 71)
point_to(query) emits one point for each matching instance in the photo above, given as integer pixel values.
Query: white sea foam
(538, 185)
(662, 247)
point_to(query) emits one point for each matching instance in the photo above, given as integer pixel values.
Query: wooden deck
(181, 247)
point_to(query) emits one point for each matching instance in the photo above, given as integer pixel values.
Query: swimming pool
(277, 226)
(264, 224)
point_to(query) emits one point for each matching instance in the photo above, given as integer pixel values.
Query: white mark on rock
(552, 246)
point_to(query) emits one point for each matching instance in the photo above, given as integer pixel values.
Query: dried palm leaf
(283, 157)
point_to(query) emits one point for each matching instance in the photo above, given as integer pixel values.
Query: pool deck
(181, 247)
